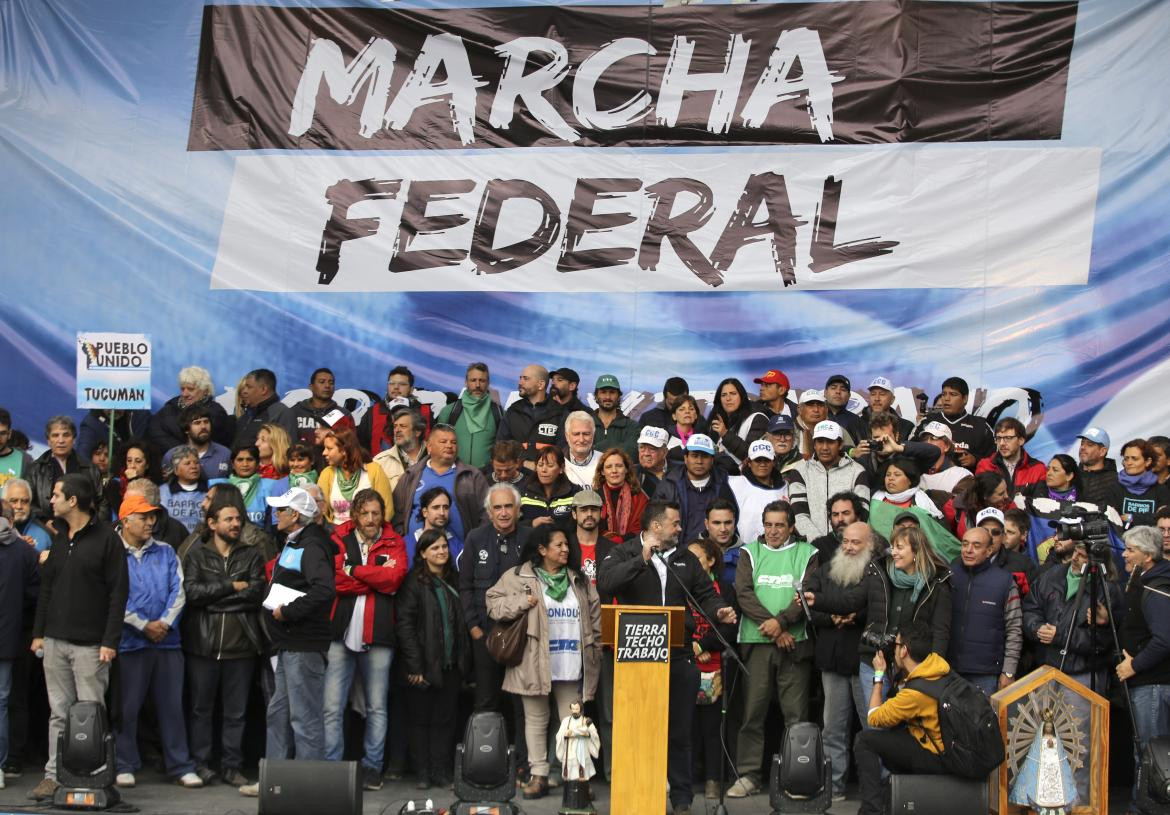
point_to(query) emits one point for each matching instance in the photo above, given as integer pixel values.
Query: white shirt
(582, 474)
(659, 564)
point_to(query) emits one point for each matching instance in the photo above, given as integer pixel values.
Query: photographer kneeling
(911, 741)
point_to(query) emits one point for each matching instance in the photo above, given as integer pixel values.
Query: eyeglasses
(1006, 438)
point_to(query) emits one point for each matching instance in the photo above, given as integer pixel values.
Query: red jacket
(1028, 471)
(377, 579)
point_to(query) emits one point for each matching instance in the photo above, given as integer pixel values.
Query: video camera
(1090, 527)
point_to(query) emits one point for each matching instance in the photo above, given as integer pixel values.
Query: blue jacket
(156, 593)
(979, 599)
(692, 511)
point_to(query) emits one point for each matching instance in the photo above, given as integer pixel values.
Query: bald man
(987, 629)
(533, 420)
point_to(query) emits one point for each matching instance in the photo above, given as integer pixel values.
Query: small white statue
(577, 745)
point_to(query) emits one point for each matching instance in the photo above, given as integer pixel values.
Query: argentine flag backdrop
(911, 190)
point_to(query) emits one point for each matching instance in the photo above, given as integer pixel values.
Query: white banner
(849, 217)
(113, 371)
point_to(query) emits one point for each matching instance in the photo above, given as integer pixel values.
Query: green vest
(775, 573)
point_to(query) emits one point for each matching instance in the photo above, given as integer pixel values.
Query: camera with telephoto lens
(879, 640)
(1090, 527)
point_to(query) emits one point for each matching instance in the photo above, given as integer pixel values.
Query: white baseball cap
(883, 383)
(654, 436)
(298, 499)
(938, 430)
(989, 512)
(762, 448)
(827, 430)
(811, 395)
(700, 443)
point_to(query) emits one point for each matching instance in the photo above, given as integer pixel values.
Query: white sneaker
(250, 790)
(742, 788)
(190, 781)
(125, 780)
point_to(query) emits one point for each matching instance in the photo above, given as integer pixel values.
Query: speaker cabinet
(300, 787)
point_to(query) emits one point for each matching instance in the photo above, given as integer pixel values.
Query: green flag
(881, 518)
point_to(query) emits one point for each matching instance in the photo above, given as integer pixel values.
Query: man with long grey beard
(837, 640)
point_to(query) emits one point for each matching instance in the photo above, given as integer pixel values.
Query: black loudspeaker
(485, 764)
(301, 787)
(930, 794)
(801, 778)
(1154, 792)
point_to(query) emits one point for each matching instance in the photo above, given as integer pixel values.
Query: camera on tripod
(879, 640)
(1090, 527)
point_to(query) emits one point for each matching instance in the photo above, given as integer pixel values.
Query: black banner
(839, 73)
(643, 637)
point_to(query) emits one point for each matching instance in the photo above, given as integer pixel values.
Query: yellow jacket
(916, 710)
(378, 482)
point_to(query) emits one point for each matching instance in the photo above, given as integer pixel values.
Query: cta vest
(775, 575)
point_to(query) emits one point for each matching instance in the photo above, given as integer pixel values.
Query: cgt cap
(883, 383)
(811, 395)
(761, 448)
(990, 513)
(654, 436)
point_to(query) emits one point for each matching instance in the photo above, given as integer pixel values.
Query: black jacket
(486, 555)
(692, 513)
(534, 426)
(875, 601)
(45, 472)
(84, 586)
(305, 564)
(164, 431)
(420, 630)
(1022, 568)
(837, 649)
(1048, 602)
(1144, 633)
(969, 432)
(19, 581)
(630, 580)
(218, 621)
(271, 411)
(659, 416)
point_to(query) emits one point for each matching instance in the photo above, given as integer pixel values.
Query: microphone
(727, 648)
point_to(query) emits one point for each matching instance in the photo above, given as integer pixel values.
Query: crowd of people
(294, 549)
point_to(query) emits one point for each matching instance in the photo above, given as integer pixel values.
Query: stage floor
(155, 796)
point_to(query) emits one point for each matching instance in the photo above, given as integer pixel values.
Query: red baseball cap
(772, 377)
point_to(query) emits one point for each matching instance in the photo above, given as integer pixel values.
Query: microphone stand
(721, 807)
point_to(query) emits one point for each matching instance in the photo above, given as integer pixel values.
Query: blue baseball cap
(1096, 435)
(700, 443)
(781, 424)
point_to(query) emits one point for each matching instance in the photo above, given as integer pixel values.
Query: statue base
(576, 799)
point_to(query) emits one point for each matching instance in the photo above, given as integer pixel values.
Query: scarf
(683, 435)
(617, 515)
(904, 497)
(246, 486)
(901, 580)
(346, 486)
(477, 410)
(1068, 495)
(556, 585)
(1072, 583)
(1137, 484)
(269, 471)
(913, 497)
(301, 479)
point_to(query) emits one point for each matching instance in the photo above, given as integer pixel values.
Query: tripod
(1093, 574)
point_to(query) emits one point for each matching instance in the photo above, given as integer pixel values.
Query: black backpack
(972, 743)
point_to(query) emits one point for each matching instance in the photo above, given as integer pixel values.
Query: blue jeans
(374, 666)
(1151, 713)
(988, 683)
(5, 689)
(865, 687)
(295, 710)
(842, 701)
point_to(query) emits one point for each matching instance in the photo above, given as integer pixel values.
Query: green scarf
(346, 486)
(475, 431)
(556, 585)
(246, 486)
(1072, 583)
(901, 580)
(477, 409)
(301, 479)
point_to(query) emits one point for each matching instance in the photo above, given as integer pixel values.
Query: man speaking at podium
(635, 573)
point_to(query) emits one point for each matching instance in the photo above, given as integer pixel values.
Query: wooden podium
(641, 638)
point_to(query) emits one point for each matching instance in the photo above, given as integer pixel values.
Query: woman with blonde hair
(272, 441)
